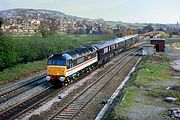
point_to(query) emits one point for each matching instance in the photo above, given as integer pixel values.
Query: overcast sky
(141, 11)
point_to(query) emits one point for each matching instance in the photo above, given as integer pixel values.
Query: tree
(43, 29)
(48, 27)
(53, 26)
(7, 54)
(148, 28)
(170, 35)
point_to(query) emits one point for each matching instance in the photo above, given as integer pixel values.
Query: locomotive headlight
(62, 79)
(48, 78)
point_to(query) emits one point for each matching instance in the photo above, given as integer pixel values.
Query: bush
(8, 55)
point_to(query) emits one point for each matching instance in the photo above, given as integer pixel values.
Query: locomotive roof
(70, 54)
(114, 41)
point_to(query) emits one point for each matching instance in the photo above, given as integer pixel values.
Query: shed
(148, 50)
(159, 44)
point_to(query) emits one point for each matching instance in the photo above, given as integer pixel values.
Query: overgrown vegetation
(22, 70)
(23, 49)
(162, 92)
(149, 80)
(155, 68)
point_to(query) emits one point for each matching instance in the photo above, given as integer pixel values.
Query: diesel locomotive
(64, 67)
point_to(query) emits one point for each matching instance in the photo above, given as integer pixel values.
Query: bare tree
(53, 25)
(48, 27)
(43, 29)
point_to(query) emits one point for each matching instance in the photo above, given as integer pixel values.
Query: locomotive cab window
(68, 64)
(57, 62)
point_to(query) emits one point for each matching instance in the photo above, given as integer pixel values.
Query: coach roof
(72, 54)
(114, 41)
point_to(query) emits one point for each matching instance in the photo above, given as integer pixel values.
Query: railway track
(19, 91)
(15, 109)
(13, 90)
(21, 96)
(72, 108)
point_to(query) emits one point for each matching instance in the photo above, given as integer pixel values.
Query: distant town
(26, 21)
(42, 22)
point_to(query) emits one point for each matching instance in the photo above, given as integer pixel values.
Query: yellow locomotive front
(56, 69)
(67, 66)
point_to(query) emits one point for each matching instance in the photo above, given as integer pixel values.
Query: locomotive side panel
(81, 63)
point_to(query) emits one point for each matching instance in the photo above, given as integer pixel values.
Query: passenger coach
(108, 49)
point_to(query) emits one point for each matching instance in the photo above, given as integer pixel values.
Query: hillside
(34, 13)
(28, 22)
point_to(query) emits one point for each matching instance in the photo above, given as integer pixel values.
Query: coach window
(105, 50)
(116, 45)
(112, 47)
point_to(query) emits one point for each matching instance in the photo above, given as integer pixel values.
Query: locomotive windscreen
(56, 62)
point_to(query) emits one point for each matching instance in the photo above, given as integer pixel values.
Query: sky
(129, 11)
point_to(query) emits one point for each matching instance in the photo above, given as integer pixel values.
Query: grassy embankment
(31, 52)
(176, 36)
(149, 82)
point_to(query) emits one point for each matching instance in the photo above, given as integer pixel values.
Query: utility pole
(1, 22)
(177, 25)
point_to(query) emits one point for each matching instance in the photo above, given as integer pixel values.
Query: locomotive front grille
(56, 70)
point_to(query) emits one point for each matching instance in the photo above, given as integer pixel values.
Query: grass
(163, 34)
(131, 93)
(21, 71)
(176, 45)
(162, 93)
(156, 68)
(176, 36)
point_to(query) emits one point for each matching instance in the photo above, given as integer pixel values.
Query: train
(67, 66)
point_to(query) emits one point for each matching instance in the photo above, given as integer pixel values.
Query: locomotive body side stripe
(81, 66)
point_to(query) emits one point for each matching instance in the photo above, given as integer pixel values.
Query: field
(21, 52)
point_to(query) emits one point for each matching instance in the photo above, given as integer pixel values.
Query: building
(148, 50)
(159, 44)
